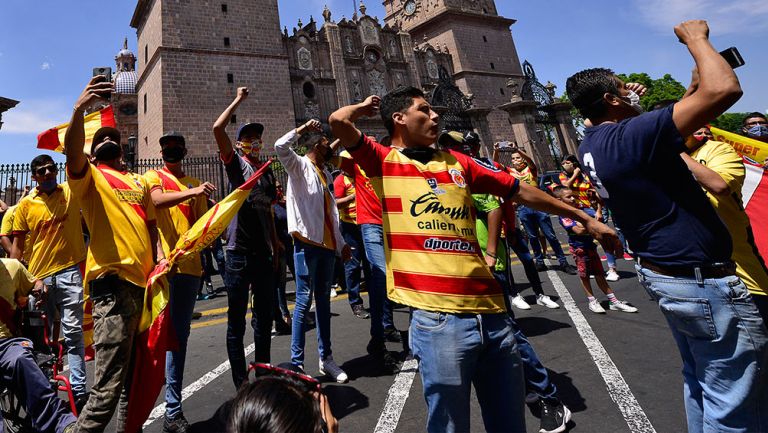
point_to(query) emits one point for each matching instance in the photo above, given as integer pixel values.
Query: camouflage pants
(115, 321)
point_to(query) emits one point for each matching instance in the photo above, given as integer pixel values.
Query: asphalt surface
(639, 345)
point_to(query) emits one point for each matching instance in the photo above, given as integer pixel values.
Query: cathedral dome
(125, 82)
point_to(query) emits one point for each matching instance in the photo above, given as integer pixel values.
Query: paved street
(617, 372)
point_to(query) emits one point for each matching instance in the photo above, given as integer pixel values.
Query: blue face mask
(758, 131)
(48, 185)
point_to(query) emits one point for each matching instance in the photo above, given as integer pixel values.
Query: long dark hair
(275, 404)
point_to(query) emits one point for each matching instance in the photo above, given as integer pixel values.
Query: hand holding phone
(733, 57)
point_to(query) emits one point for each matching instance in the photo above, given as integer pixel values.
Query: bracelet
(493, 256)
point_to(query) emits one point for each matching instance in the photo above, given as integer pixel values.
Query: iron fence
(15, 178)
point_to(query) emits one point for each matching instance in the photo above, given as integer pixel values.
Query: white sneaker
(623, 306)
(520, 303)
(546, 301)
(329, 367)
(612, 275)
(333, 292)
(595, 307)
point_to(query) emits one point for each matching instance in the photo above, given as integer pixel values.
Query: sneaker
(546, 301)
(622, 306)
(392, 335)
(329, 367)
(541, 267)
(360, 312)
(175, 425)
(628, 257)
(520, 303)
(333, 292)
(388, 363)
(531, 398)
(595, 307)
(568, 269)
(612, 275)
(553, 417)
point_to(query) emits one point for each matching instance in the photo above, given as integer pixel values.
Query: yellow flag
(745, 146)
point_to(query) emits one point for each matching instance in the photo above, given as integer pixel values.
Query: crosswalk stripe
(398, 394)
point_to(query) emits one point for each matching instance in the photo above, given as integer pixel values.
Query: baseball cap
(172, 135)
(448, 138)
(249, 128)
(102, 132)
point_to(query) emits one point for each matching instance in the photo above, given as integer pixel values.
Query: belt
(109, 285)
(712, 270)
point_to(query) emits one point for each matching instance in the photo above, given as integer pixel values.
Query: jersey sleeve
(563, 179)
(724, 161)
(82, 184)
(338, 187)
(153, 180)
(484, 177)
(23, 280)
(19, 224)
(6, 226)
(369, 155)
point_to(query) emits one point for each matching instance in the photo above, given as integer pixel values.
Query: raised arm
(164, 200)
(219, 128)
(74, 139)
(343, 120)
(286, 154)
(718, 88)
(529, 161)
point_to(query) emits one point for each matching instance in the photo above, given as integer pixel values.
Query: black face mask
(108, 151)
(421, 154)
(173, 154)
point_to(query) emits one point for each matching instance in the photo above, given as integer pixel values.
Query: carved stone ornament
(305, 59)
(369, 33)
(311, 110)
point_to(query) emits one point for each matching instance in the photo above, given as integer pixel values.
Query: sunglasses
(42, 171)
(262, 370)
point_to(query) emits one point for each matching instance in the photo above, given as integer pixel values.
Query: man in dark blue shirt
(683, 249)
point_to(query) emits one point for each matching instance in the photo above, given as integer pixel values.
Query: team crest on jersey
(457, 178)
(486, 164)
(435, 186)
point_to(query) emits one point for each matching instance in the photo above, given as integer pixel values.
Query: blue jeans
(314, 275)
(517, 243)
(456, 351)
(183, 289)
(532, 220)
(722, 340)
(536, 376)
(353, 236)
(248, 277)
(65, 294)
(19, 373)
(381, 311)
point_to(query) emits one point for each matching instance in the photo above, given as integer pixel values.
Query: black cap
(172, 135)
(102, 132)
(448, 138)
(249, 128)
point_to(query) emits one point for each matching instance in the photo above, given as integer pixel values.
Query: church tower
(192, 58)
(480, 42)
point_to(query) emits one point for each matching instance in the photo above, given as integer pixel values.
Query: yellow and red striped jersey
(434, 261)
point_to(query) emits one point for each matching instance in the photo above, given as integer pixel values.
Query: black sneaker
(392, 335)
(389, 363)
(554, 417)
(375, 347)
(568, 269)
(178, 424)
(541, 267)
(360, 312)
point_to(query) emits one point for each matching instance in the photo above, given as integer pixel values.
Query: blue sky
(49, 47)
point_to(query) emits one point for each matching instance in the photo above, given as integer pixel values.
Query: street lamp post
(130, 152)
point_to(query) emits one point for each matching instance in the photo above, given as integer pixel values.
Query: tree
(659, 89)
(730, 122)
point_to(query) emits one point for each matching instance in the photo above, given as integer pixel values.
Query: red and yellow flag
(53, 139)
(155, 334)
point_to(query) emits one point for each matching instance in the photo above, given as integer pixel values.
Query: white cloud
(45, 66)
(34, 117)
(742, 16)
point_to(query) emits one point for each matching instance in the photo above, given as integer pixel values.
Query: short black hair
(559, 190)
(573, 160)
(39, 161)
(397, 101)
(586, 89)
(751, 116)
(664, 103)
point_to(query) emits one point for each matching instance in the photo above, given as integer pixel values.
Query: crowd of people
(419, 219)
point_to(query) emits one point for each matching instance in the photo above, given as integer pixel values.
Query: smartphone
(504, 144)
(105, 71)
(733, 57)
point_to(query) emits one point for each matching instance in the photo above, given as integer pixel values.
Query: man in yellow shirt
(719, 169)
(6, 230)
(47, 227)
(180, 200)
(19, 371)
(120, 216)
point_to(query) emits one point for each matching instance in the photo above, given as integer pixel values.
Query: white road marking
(159, 411)
(618, 389)
(398, 394)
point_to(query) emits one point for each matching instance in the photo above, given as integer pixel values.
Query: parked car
(548, 180)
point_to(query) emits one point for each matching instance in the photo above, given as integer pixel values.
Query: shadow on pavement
(567, 392)
(533, 326)
(344, 399)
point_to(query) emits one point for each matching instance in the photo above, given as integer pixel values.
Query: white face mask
(634, 101)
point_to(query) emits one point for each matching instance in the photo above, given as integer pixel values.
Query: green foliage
(659, 89)
(729, 121)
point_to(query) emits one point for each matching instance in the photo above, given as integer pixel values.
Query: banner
(53, 139)
(745, 146)
(155, 334)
